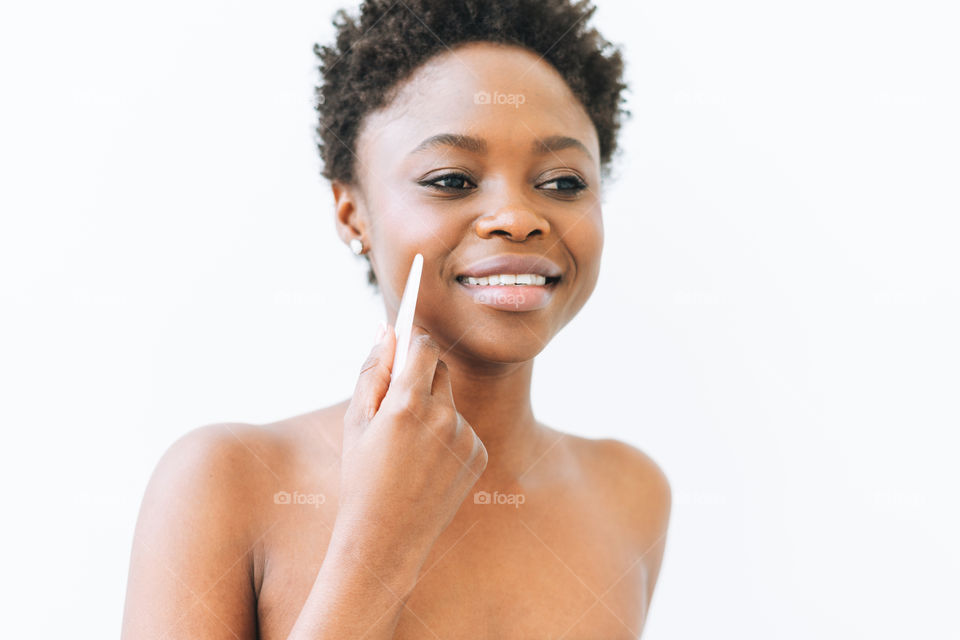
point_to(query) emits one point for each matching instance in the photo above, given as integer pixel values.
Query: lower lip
(510, 297)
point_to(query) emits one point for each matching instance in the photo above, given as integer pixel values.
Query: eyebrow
(550, 144)
(469, 143)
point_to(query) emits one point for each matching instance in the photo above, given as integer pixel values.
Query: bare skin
(384, 535)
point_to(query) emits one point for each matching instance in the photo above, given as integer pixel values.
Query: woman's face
(514, 173)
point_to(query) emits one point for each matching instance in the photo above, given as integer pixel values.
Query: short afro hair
(391, 39)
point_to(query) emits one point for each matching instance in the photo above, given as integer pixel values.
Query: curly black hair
(391, 39)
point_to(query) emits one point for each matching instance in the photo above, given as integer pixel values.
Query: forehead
(504, 94)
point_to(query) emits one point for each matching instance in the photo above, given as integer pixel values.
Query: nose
(513, 220)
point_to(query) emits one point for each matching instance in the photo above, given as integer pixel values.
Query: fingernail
(381, 332)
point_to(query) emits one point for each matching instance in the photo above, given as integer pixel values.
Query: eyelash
(579, 185)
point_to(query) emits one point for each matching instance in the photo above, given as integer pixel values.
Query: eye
(567, 185)
(453, 182)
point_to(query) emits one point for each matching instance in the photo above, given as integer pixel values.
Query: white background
(776, 320)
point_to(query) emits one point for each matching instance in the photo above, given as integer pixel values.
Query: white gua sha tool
(404, 325)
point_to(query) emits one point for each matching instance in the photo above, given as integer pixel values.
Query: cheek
(400, 231)
(584, 238)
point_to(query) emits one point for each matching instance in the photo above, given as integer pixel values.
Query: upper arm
(645, 499)
(190, 568)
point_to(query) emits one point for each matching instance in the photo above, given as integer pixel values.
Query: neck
(495, 399)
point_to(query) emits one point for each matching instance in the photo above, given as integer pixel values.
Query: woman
(434, 505)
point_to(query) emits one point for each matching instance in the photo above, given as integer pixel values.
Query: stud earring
(356, 245)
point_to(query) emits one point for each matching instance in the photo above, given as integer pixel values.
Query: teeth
(508, 279)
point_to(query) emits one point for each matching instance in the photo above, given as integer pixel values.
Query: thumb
(373, 381)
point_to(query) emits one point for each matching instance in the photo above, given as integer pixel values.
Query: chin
(505, 342)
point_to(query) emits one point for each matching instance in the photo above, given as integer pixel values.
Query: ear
(348, 211)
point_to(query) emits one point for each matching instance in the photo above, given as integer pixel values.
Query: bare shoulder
(199, 540)
(220, 451)
(192, 539)
(635, 484)
(218, 465)
(230, 470)
(630, 489)
(231, 462)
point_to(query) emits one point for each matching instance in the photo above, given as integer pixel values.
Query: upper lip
(517, 264)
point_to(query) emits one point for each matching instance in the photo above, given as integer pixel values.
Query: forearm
(360, 590)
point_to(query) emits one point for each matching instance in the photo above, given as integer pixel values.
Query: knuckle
(446, 416)
(372, 365)
(439, 423)
(365, 414)
(358, 414)
(411, 401)
(442, 429)
(413, 417)
(425, 341)
(423, 338)
(390, 413)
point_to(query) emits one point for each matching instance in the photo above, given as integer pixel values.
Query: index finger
(421, 366)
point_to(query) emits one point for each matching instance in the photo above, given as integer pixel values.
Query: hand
(409, 458)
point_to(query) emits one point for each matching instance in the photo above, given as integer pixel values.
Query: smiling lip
(507, 263)
(512, 297)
